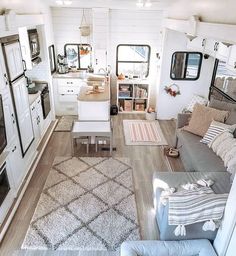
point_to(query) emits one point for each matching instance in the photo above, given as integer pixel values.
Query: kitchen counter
(77, 75)
(101, 96)
(33, 97)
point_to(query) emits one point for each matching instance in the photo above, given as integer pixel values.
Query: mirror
(225, 79)
(186, 65)
(79, 56)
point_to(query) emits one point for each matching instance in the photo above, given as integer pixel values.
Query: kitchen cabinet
(25, 47)
(23, 112)
(37, 119)
(197, 44)
(10, 121)
(66, 94)
(14, 60)
(231, 62)
(16, 164)
(216, 49)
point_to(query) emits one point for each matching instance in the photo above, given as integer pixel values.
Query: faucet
(102, 69)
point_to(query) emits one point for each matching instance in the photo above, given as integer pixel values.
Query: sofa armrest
(183, 119)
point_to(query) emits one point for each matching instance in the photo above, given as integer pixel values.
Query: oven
(4, 184)
(45, 99)
(3, 136)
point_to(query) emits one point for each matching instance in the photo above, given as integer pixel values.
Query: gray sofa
(221, 185)
(195, 155)
(199, 247)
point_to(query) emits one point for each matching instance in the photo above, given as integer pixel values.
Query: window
(78, 55)
(224, 81)
(186, 65)
(133, 60)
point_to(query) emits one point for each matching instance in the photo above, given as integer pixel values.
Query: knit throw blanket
(198, 205)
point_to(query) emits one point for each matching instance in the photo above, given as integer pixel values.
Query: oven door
(45, 98)
(4, 184)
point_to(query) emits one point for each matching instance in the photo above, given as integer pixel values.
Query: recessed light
(148, 4)
(59, 2)
(67, 2)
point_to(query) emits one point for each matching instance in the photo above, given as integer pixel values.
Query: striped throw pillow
(215, 129)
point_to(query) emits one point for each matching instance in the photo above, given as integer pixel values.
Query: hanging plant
(84, 27)
(172, 89)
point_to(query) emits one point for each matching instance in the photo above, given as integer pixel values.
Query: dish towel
(199, 205)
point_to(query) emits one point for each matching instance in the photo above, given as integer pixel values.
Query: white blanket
(199, 205)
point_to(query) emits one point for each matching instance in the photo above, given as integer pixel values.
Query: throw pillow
(215, 129)
(196, 99)
(222, 145)
(230, 155)
(228, 106)
(202, 117)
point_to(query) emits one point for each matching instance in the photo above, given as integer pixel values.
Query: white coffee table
(97, 129)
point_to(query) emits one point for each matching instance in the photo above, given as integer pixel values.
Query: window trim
(186, 61)
(78, 45)
(148, 62)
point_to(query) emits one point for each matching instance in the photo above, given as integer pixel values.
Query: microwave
(34, 43)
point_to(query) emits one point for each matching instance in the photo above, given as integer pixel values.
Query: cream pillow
(215, 129)
(230, 155)
(196, 99)
(202, 117)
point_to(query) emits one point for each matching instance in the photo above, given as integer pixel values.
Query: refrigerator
(18, 87)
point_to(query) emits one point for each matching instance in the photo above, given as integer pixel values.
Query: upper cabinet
(211, 47)
(196, 44)
(231, 62)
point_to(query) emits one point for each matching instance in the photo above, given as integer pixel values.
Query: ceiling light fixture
(65, 2)
(143, 3)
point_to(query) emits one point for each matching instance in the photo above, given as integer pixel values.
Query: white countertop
(33, 97)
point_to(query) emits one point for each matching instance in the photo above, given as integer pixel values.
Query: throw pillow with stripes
(215, 129)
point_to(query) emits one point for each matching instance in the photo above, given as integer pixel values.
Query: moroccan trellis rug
(143, 132)
(65, 123)
(87, 203)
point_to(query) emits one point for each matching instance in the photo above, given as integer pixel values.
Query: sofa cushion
(200, 247)
(196, 155)
(202, 117)
(223, 105)
(162, 180)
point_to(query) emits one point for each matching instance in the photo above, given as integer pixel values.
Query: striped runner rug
(143, 132)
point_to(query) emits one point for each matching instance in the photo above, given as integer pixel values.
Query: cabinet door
(35, 121)
(14, 60)
(222, 51)
(10, 120)
(232, 57)
(25, 47)
(210, 47)
(40, 118)
(16, 164)
(196, 44)
(23, 112)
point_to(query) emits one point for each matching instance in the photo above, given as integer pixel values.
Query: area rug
(88, 203)
(65, 123)
(143, 132)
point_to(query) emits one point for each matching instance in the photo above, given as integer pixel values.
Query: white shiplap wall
(66, 23)
(124, 27)
(137, 27)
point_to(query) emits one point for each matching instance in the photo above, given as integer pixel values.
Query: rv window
(224, 80)
(133, 60)
(78, 55)
(186, 65)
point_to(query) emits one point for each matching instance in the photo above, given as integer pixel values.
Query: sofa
(163, 180)
(195, 155)
(201, 247)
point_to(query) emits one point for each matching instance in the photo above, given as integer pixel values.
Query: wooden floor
(145, 160)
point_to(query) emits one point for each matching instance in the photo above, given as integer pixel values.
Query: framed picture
(52, 58)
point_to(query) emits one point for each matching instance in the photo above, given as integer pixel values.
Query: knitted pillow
(202, 117)
(196, 99)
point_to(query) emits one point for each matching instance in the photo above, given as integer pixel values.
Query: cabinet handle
(38, 101)
(33, 108)
(13, 118)
(235, 64)
(216, 46)
(69, 82)
(203, 42)
(14, 149)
